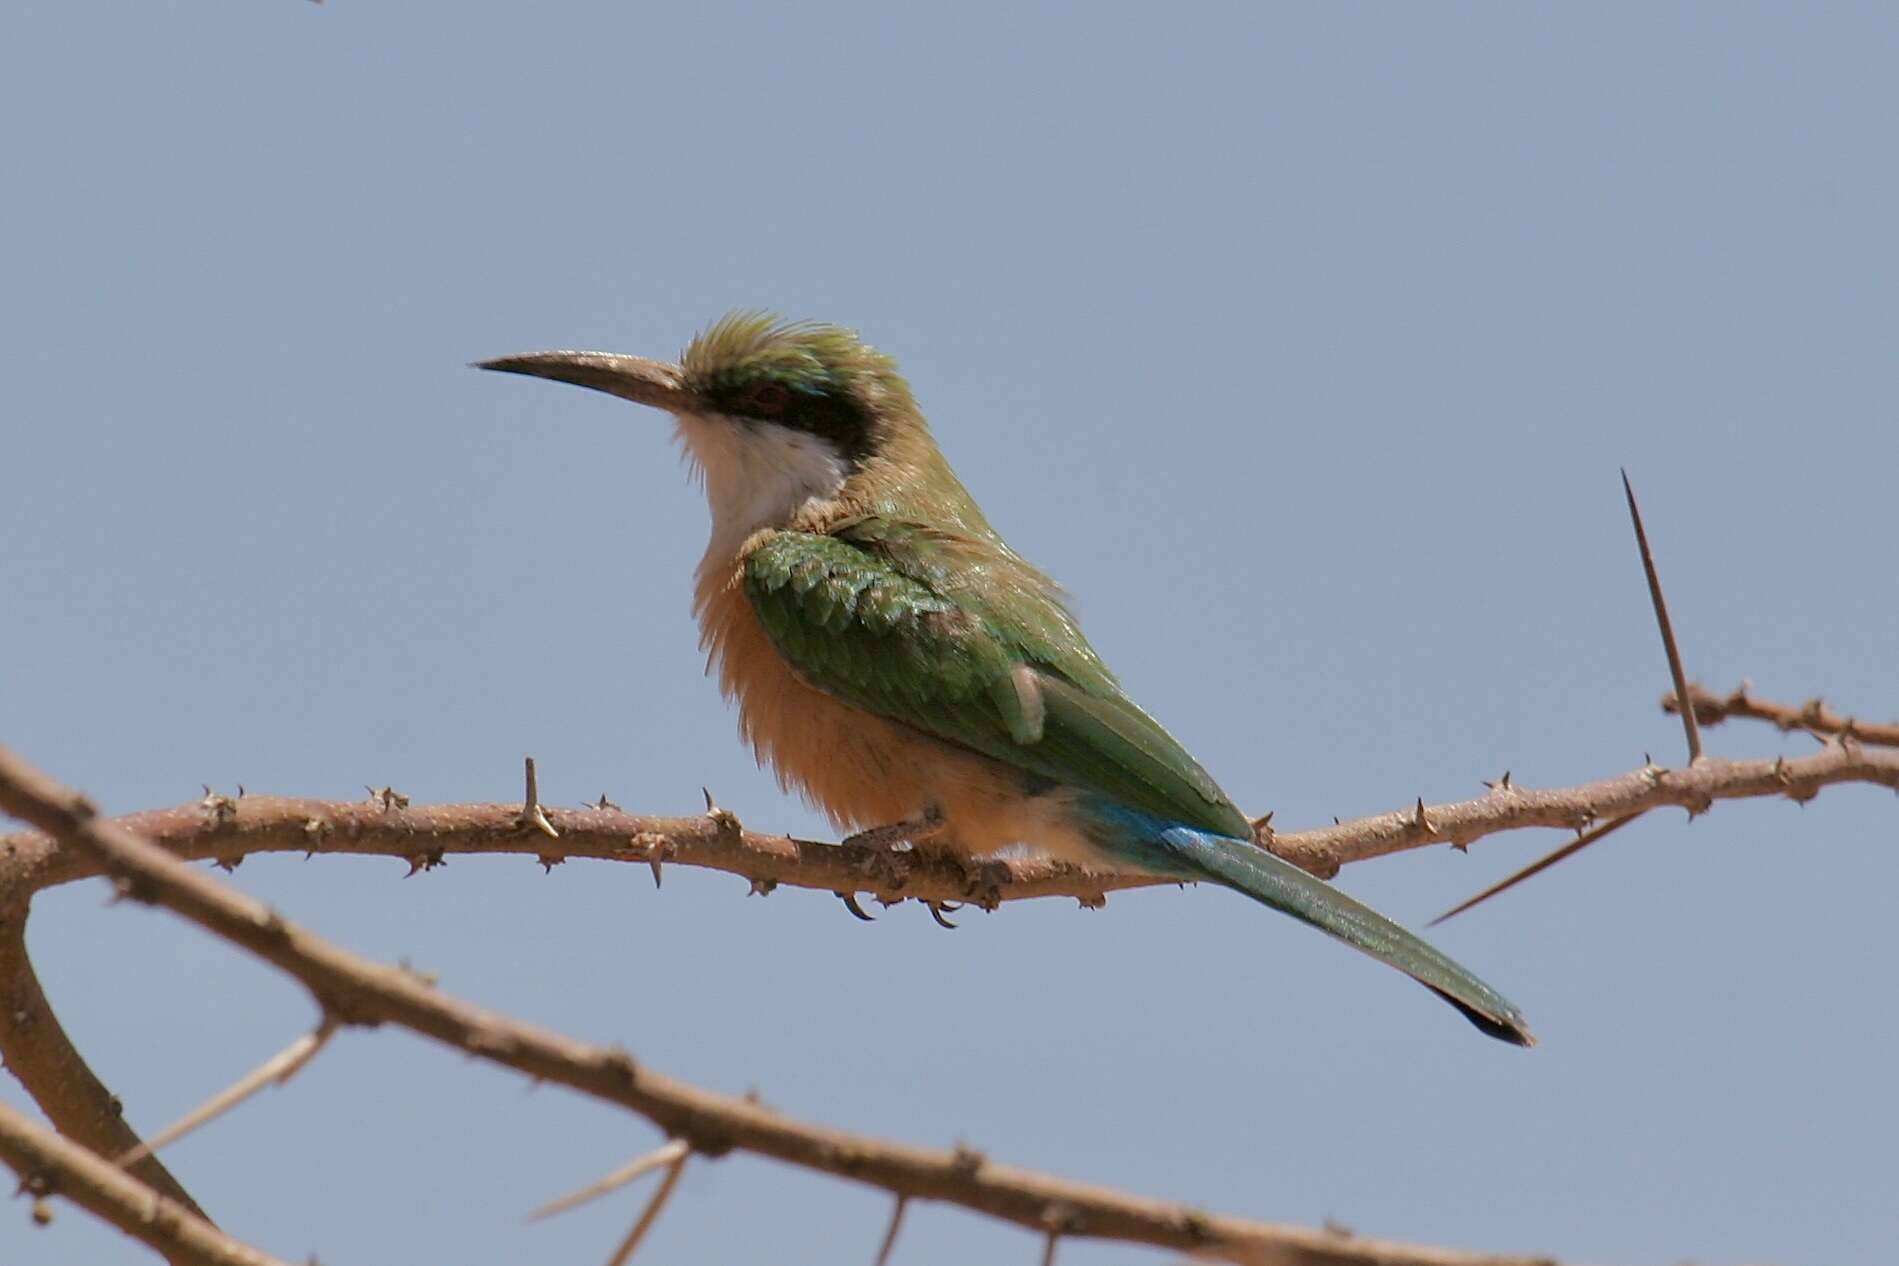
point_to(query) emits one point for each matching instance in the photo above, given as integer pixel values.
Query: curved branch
(51, 1165)
(355, 990)
(40, 1055)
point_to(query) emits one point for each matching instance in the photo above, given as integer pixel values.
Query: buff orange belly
(858, 768)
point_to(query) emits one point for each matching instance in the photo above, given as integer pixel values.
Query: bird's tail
(1273, 881)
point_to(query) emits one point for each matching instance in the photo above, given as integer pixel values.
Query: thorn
(426, 861)
(890, 1236)
(966, 1160)
(389, 797)
(1460, 844)
(604, 803)
(231, 863)
(278, 1069)
(651, 848)
(936, 912)
(548, 861)
(1690, 729)
(1093, 901)
(1263, 828)
(1502, 786)
(316, 832)
(1422, 822)
(532, 817)
(1544, 863)
(219, 809)
(762, 887)
(668, 1153)
(850, 903)
(724, 820)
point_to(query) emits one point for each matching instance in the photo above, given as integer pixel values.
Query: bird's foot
(984, 888)
(913, 831)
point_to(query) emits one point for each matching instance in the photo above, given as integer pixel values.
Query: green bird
(914, 677)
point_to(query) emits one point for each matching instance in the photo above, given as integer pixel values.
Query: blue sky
(1302, 342)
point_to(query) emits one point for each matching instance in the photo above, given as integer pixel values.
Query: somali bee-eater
(896, 662)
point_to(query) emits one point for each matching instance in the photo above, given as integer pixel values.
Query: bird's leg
(921, 829)
(885, 843)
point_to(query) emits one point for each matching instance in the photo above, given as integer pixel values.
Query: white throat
(757, 475)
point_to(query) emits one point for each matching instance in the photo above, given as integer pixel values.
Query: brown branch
(51, 1165)
(38, 1053)
(1813, 716)
(423, 836)
(1576, 808)
(357, 991)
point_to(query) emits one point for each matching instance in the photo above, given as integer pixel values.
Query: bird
(897, 663)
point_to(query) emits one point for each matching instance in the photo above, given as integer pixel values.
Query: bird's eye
(766, 399)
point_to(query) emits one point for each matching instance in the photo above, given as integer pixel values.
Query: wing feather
(880, 616)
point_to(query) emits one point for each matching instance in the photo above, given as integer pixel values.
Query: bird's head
(777, 415)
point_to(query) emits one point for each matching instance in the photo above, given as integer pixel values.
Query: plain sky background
(1301, 341)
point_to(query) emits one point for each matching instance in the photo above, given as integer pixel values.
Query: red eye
(767, 399)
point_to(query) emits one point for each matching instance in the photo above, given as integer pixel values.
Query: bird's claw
(918, 830)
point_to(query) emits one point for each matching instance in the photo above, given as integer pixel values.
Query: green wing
(967, 643)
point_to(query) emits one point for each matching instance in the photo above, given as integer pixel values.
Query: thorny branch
(1813, 716)
(423, 836)
(353, 990)
(226, 829)
(49, 1164)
